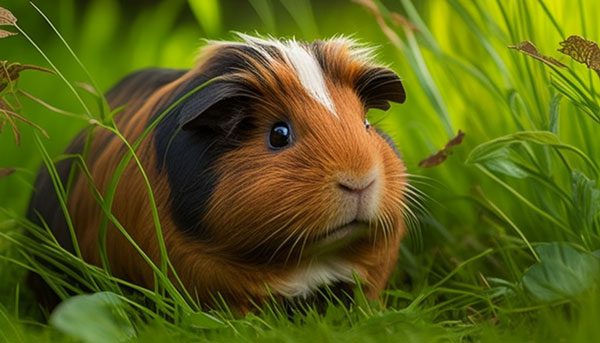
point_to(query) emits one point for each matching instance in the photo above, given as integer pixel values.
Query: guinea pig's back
(44, 207)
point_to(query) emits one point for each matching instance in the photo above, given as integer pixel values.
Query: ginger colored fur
(271, 203)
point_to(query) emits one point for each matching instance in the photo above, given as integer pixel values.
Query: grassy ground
(508, 246)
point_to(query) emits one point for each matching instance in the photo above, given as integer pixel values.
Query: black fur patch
(137, 86)
(44, 206)
(191, 138)
(44, 200)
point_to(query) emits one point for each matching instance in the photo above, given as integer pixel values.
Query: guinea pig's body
(268, 180)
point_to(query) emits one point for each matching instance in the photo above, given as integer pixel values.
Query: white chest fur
(309, 278)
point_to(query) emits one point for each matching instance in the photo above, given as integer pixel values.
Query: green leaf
(586, 197)
(98, 317)
(202, 320)
(554, 112)
(501, 161)
(562, 273)
(485, 151)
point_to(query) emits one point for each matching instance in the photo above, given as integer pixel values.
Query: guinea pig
(268, 179)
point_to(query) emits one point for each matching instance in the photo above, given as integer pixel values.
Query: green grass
(507, 248)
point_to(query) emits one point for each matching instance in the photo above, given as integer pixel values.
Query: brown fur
(262, 199)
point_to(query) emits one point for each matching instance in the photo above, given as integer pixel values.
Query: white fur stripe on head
(310, 73)
(306, 66)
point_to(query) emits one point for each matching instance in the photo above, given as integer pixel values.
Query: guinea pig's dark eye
(367, 124)
(280, 135)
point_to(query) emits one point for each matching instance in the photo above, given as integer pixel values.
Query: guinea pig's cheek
(394, 186)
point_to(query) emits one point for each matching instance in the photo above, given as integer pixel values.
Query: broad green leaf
(203, 320)
(485, 151)
(554, 113)
(586, 197)
(501, 161)
(562, 273)
(98, 317)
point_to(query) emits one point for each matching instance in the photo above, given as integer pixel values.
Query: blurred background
(458, 72)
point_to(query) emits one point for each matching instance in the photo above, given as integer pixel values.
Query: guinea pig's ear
(213, 106)
(378, 86)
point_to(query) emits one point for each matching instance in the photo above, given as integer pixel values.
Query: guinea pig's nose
(356, 185)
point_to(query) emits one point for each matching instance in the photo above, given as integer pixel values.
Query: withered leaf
(9, 115)
(442, 155)
(4, 106)
(529, 49)
(4, 34)
(6, 17)
(457, 140)
(582, 50)
(10, 72)
(6, 171)
(6, 113)
(434, 160)
(13, 126)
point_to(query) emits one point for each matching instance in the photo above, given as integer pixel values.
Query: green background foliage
(506, 246)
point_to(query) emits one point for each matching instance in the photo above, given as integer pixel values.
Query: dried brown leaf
(10, 72)
(6, 17)
(6, 171)
(4, 105)
(4, 34)
(434, 160)
(13, 126)
(14, 69)
(457, 140)
(10, 115)
(529, 49)
(440, 156)
(582, 50)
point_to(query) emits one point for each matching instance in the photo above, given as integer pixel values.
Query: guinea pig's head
(275, 155)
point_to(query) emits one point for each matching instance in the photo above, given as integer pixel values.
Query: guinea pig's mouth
(338, 237)
(343, 230)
